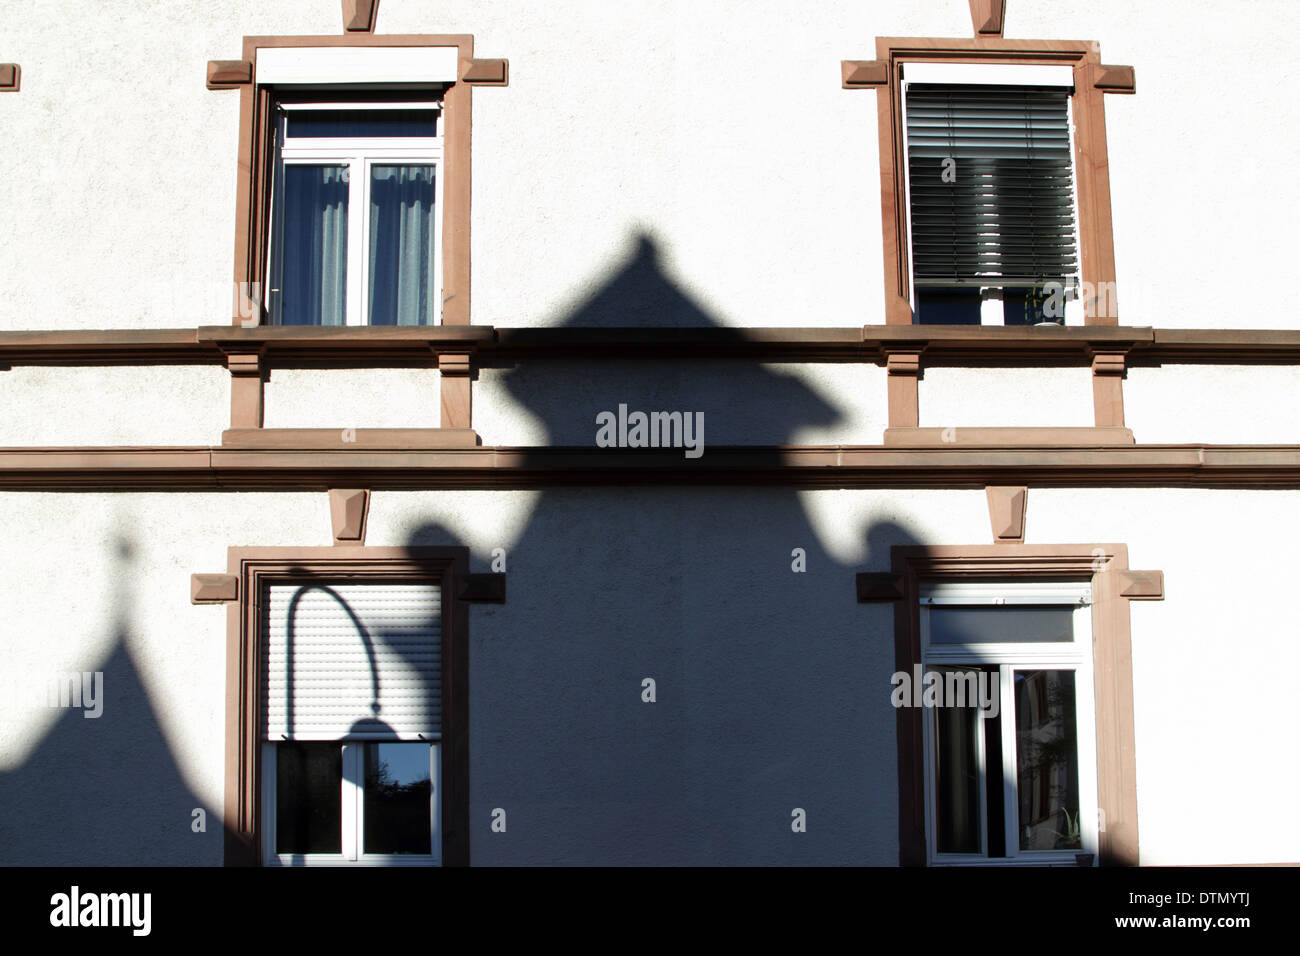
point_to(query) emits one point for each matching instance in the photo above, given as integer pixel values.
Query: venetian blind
(1001, 213)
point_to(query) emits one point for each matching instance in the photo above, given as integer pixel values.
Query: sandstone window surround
(1092, 80)
(442, 65)
(1104, 569)
(348, 563)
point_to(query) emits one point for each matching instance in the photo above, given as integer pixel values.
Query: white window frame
(996, 74)
(352, 810)
(1009, 657)
(358, 155)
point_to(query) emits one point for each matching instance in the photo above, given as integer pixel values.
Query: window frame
(992, 298)
(358, 155)
(1008, 658)
(1105, 567)
(247, 823)
(352, 811)
(1092, 181)
(257, 161)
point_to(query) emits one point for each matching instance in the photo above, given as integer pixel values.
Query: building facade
(486, 433)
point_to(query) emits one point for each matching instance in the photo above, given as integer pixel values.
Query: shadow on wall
(640, 296)
(681, 674)
(770, 682)
(742, 402)
(106, 790)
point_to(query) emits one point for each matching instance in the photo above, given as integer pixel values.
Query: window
(1009, 737)
(990, 192)
(347, 707)
(356, 225)
(1072, 68)
(351, 722)
(358, 216)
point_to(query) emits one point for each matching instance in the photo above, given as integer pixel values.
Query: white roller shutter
(365, 661)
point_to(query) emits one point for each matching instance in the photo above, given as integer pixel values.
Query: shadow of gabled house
(106, 790)
(721, 595)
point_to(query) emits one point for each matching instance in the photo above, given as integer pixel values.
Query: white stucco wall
(607, 586)
(352, 398)
(717, 128)
(691, 163)
(743, 403)
(1211, 663)
(114, 405)
(1223, 404)
(992, 397)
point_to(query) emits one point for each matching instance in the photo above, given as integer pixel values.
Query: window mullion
(356, 218)
(437, 237)
(362, 269)
(1010, 802)
(981, 758)
(351, 815)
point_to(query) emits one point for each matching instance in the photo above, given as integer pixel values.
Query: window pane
(1047, 761)
(397, 799)
(958, 306)
(308, 798)
(402, 280)
(1031, 306)
(315, 124)
(309, 274)
(951, 624)
(957, 778)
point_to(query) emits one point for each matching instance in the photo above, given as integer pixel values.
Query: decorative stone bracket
(349, 509)
(986, 17)
(1007, 513)
(904, 374)
(213, 588)
(359, 15)
(1114, 79)
(1108, 370)
(457, 374)
(485, 72)
(246, 377)
(864, 74)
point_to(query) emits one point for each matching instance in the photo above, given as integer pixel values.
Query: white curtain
(403, 282)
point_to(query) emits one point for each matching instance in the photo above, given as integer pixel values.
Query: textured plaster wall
(101, 582)
(352, 398)
(758, 710)
(703, 153)
(114, 405)
(1212, 663)
(718, 128)
(1227, 404)
(1202, 184)
(977, 397)
(557, 403)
